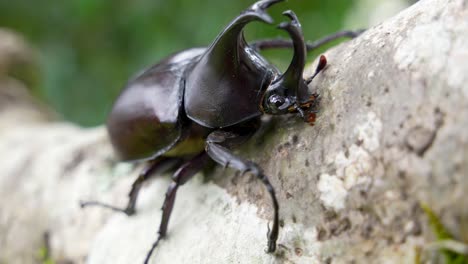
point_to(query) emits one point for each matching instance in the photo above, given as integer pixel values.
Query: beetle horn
(229, 44)
(260, 7)
(256, 11)
(292, 79)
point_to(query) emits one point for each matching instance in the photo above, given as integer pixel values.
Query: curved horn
(260, 7)
(292, 77)
(227, 44)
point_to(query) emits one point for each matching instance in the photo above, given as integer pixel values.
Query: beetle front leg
(159, 165)
(216, 146)
(180, 177)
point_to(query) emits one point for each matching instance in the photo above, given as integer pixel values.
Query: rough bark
(391, 135)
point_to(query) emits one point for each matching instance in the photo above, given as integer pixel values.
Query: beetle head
(289, 92)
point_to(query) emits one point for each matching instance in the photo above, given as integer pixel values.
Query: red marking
(322, 62)
(313, 97)
(309, 103)
(311, 119)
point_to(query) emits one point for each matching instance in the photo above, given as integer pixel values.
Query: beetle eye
(278, 104)
(276, 101)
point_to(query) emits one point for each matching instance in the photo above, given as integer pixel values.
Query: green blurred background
(87, 49)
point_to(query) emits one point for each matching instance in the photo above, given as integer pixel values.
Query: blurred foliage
(44, 256)
(88, 48)
(442, 233)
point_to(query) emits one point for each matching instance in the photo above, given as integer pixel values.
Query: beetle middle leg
(159, 165)
(180, 177)
(217, 146)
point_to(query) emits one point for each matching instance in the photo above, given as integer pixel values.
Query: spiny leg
(180, 177)
(216, 146)
(285, 43)
(158, 165)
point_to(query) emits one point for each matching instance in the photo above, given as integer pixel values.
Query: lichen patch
(368, 133)
(332, 191)
(352, 166)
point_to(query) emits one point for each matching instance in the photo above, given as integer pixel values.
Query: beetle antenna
(321, 65)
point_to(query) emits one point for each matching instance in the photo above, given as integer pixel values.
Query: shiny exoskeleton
(196, 105)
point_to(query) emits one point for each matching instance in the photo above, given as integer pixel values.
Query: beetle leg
(158, 165)
(285, 43)
(217, 145)
(180, 177)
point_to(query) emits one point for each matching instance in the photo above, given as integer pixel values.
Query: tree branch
(391, 134)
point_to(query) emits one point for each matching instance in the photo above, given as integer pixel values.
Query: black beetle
(196, 105)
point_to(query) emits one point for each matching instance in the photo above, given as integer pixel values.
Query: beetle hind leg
(158, 165)
(180, 177)
(217, 145)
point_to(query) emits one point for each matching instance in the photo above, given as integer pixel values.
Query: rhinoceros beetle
(198, 104)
